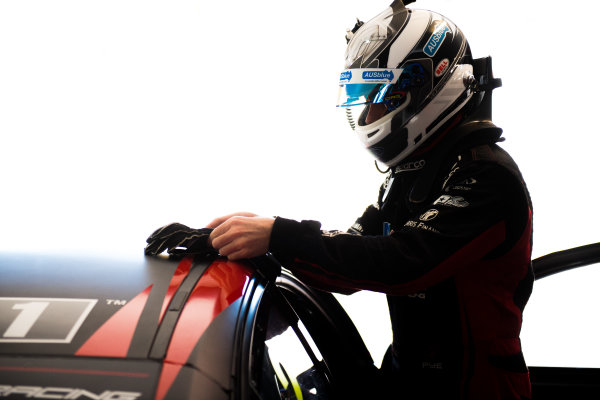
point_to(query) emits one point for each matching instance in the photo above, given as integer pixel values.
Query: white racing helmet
(407, 73)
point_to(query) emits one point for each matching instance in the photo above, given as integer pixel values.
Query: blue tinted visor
(361, 93)
(363, 86)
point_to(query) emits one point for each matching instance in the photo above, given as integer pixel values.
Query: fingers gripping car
(197, 326)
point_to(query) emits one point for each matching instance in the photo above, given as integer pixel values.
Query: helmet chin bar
(477, 82)
(455, 93)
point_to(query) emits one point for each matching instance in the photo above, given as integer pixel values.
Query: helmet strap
(383, 171)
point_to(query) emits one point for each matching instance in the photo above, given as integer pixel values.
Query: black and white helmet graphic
(407, 73)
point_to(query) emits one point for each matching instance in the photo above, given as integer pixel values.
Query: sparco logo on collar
(38, 392)
(436, 39)
(410, 166)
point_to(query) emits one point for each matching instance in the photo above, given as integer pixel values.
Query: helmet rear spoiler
(401, 3)
(483, 86)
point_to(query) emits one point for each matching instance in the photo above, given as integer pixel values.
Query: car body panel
(74, 378)
(125, 296)
(219, 287)
(138, 322)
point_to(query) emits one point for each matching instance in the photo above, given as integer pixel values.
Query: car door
(561, 325)
(303, 345)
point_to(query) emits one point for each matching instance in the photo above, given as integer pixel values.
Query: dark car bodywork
(198, 327)
(154, 328)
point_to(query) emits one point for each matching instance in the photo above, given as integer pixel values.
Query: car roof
(119, 317)
(98, 296)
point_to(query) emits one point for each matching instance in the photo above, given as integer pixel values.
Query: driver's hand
(241, 235)
(218, 221)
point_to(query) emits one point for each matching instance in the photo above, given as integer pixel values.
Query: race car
(163, 328)
(197, 327)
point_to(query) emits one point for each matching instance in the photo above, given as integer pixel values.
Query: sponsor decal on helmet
(436, 39)
(441, 67)
(38, 392)
(370, 76)
(346, 76)
(378, 75)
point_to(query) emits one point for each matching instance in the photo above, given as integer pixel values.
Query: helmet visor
(371, 93)
(363, 86)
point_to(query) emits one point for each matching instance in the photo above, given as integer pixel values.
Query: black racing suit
(456, 269)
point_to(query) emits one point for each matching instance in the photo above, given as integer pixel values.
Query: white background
(119, 116)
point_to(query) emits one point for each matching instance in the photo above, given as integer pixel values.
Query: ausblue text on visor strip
(357, 85)
(370, 75)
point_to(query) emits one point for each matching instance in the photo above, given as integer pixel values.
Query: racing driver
(449, 239)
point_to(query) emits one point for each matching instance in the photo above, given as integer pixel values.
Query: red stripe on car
(222, 284)
(167, 376)
(114, 337)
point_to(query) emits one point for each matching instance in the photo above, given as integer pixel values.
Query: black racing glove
(179, 240)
